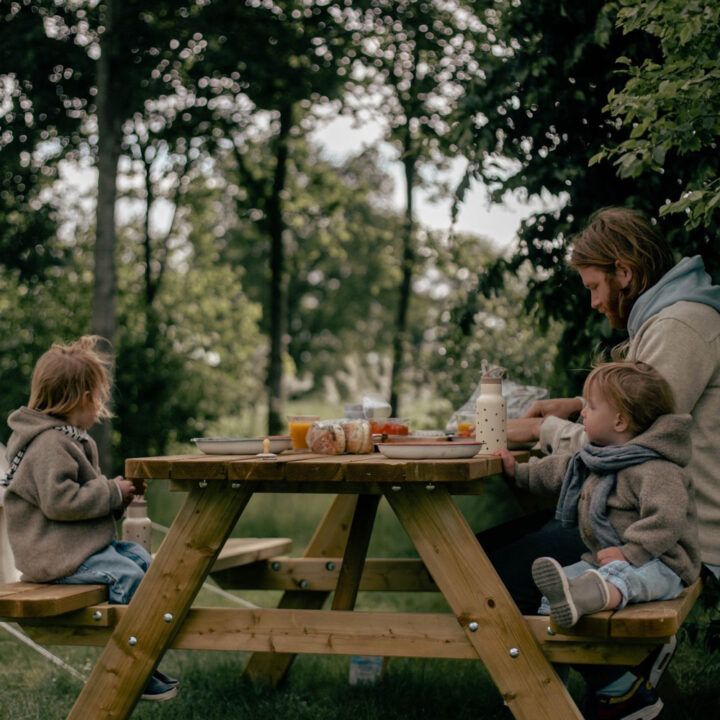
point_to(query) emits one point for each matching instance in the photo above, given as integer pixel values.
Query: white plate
(427, 450)
(242, 446)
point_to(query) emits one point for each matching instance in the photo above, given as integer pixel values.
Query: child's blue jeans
(121, 565)
(652, 581)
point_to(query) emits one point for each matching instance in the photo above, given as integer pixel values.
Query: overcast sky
(498, 222)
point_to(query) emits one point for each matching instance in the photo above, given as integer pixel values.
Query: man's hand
(523, 430)
(508, 461)
(559, 407)
(608, 555)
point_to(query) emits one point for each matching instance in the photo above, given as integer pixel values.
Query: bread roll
(326, 437)
(358, 438)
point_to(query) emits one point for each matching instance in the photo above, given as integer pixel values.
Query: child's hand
(508, 461)
(127, 488)
(608, 555)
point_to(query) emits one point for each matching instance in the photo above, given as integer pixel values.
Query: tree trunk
(103, 311)
(408, 262)
(278, 293)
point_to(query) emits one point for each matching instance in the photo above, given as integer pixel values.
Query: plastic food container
(390, 426)
(354, 411)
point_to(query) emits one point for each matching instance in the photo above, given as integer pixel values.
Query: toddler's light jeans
(652, 581)
(121, 565)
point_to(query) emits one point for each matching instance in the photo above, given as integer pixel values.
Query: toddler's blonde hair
(635, 389)
(65, 373)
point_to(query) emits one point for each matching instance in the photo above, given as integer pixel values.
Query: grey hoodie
(60, 508)
(652, 506)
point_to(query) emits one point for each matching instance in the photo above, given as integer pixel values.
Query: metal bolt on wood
(429, 487)
(167, 617)
(472, 626)
(304, 584)
(235, 485)
(202, 484)
(396, 488)
(550, 630)
(97, 616)
(514, 652)
(330, 566)
(132, 640)
(275, 565)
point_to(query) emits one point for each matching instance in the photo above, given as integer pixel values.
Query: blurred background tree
(242, 270)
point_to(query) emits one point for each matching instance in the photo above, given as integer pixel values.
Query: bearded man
(671, 313)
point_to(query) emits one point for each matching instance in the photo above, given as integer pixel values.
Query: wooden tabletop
(307, 472)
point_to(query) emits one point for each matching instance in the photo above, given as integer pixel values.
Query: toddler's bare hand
(127, 488)
(608, 555)
(508, 461)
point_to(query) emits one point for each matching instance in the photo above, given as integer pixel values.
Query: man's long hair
(618, 234)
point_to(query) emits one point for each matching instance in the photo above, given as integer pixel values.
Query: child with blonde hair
(627, 492)
(61, 510)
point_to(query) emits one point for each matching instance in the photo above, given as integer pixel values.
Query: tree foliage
(239, 246)
(531, 128)
(670, 103)
(417, 57)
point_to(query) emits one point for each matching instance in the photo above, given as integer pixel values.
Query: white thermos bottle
(137, 526)
(491, 415)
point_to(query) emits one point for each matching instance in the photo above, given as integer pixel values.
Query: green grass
(317, 688)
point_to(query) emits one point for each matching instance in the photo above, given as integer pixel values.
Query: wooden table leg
(329, 540)
(483, 607)
(160, 603)
(355, 553)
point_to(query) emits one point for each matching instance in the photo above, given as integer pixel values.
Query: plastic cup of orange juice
(298, 426)
(466, 424)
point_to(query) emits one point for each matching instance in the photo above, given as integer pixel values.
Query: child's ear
(621, 424)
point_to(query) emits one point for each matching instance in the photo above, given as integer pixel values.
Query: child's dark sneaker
(641, 702)
(569, 599)
(162, 677)
(158, 690)
(661, 661)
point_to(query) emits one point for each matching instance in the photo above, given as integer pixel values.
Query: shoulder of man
(697, 315)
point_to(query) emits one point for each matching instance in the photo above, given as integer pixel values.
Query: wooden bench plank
(244, 551)
(658, 619)
(312, 573)
(655, 619)
(391, 634)
(32, 600)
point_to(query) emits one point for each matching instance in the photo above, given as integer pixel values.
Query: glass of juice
(466, 424)
(298, 426)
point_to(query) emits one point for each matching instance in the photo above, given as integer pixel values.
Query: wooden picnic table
(484, 623)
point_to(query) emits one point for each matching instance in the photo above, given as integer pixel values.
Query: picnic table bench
(653, 622)
(483, 622)
(23, 600)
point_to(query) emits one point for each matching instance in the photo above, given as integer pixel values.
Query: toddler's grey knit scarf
(605, 461)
